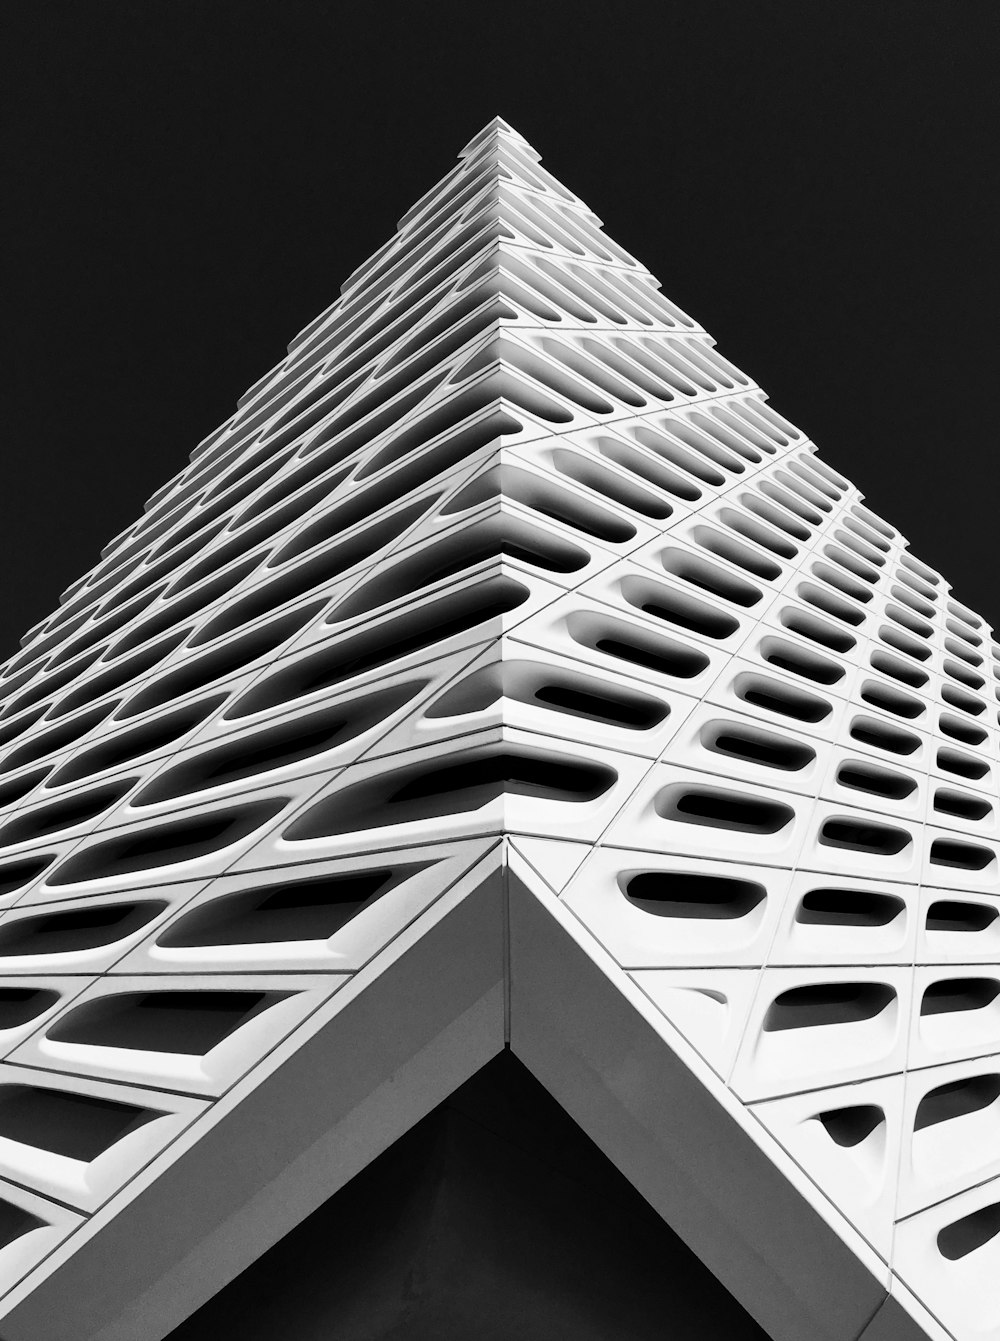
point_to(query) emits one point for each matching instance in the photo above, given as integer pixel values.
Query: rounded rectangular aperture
(820, 1005)
(722, 809)
(962, 856)
(848, 908)
(957, 1099)
(951, 995)
(807, 625)
(410, 630)
(75, 1126)
(678, 607)
(964, 918)
(710, 577)
(875, 781)
(278, 746)
(686, 894)
(637, 645)
(755, 746)
(963, 805)
(439, 790)
(777, 697)
(189, 1022)
(296, 910)
(182, 840)
(858, 836)
(883, 736)
(962, 765)
(77, 929)
(798, 660)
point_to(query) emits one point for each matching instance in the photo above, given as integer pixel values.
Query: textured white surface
(505, 549)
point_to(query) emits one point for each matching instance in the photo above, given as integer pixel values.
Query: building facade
(504, 684)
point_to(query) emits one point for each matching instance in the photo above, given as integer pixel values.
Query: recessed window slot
(79, 929)
(965, 702)
(962, 856)
(964, 765)
(20, 1005)
(830, 604)
(677, 607)
(756, 747)
(823, 1004)
(299, 910)
(57, 738)
(958, 649)
(817, 630)
(16, 874)
(951, 915)
(789, 501)
(957, 1099)
(836, 577)
(717, 581)
(966, 732)
(902, 642)
(722, 810)
(914, 602)
(962, 673)
(848, 908)
(891, 700)
(961, 804)
(921, 570)
(776, 516)
(686, 895)
(431, 791)
(862, 549)
(63, 814)
(493, 539)
(882, 736)
(676, 455)
(800, 661)
(636, 645)
(958, 994)
(132, 744)
(640, 465)
(16, 788)
(191, 1023)
(182, 840)
(916, 626)
(75, 1126)
(878, 839)
(734, 552)
(389, 640)
(848, 1127)
(774, 696)
(866, 534)
(899, 670)
(274, 747)
(226, 659)
(876, 781)
(15, 1222)
(761, 535)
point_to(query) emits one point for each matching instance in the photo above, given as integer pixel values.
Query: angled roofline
(502, 963)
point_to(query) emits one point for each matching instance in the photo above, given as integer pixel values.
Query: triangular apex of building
(504, 672)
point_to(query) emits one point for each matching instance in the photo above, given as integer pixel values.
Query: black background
(186, 185)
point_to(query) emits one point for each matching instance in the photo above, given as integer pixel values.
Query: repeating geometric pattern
(505, 551)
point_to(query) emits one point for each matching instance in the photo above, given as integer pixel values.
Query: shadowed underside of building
(493, 1217)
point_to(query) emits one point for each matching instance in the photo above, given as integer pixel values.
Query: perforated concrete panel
(505, 671)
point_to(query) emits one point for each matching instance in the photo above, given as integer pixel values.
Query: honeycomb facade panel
(505, 640)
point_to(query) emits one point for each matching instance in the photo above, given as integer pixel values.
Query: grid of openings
(504, 483)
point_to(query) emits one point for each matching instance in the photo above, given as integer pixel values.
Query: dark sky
(186, 184)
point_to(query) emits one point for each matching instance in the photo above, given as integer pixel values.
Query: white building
(506, 676)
